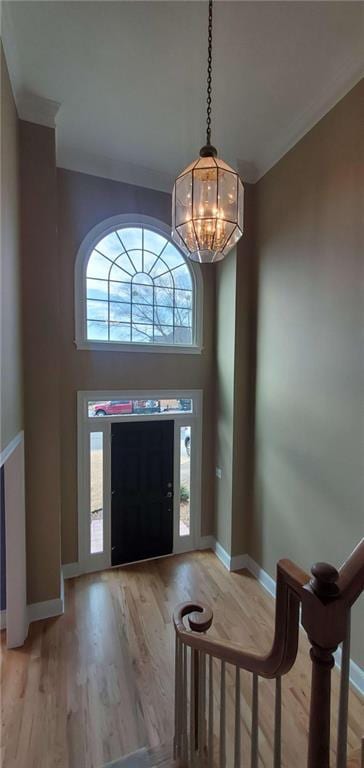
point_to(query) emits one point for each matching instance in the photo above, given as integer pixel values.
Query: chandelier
(208, 196)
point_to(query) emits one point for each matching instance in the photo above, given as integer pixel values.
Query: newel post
(324, 619)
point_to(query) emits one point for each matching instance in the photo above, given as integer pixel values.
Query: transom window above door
(134, 289)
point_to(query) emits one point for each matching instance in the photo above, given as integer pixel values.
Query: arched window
(135, 289)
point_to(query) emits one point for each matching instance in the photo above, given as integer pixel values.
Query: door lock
(169, 495)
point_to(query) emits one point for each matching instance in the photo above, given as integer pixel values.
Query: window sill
(110, 346)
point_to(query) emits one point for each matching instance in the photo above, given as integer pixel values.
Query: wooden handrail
(280, 659)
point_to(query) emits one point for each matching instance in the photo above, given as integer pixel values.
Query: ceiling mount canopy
(208, 196)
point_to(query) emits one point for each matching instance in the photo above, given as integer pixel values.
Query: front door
(141, 490)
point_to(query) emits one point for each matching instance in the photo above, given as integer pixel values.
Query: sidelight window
(96, 493)
(185, 481)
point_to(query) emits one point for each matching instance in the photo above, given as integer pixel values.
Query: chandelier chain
(209, 78)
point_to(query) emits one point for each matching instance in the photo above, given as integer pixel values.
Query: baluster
(177, 699)
(254, 734)
(211, 714)
(194, 657)
(202, 704)
(342, 732)
(278, 724)
(237, 719)
(222, 717)
(198, 697)
(184, 706)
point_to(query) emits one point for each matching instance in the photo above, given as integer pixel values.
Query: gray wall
(83, 201)
(10, 282)
(310, 378)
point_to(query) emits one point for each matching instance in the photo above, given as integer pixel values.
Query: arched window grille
(136, 289)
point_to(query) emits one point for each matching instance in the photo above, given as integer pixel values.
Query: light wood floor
(97, 683)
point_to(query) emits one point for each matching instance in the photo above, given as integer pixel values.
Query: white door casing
(86, 425)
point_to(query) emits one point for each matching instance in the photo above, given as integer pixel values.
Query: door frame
(85, 425)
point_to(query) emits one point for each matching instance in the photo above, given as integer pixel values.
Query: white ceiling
(130, 78)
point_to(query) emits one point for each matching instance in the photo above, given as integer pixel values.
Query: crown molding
(345, 79)
(37, 109)
(76, 159)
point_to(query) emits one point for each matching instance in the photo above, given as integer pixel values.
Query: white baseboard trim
(70, 570)
(37, 611)
(238, 562)
(356, 674)
(45, 610)
(231, 562)
(261, 575)
(223, 556)
(8, 450)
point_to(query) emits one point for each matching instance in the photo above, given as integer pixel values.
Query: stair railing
(326, 600)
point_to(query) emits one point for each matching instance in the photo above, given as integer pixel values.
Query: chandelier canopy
(208, 197)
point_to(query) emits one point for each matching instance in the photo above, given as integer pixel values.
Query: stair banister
(326, 601)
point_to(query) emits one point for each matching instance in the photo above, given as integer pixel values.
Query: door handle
(169, 495)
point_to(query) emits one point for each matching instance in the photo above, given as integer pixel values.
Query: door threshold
(150, 559)
(134, 562)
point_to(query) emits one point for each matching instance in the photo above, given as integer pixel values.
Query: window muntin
(139, 290)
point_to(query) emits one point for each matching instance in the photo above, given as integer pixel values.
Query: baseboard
(261, 575)
(223, 556)
(45, 610)
(356, 673)
(231, 562)
(10, 448)
(37, 611)
(70, 570)
(239, 562)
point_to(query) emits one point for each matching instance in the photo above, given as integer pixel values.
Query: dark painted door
(141, 490)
